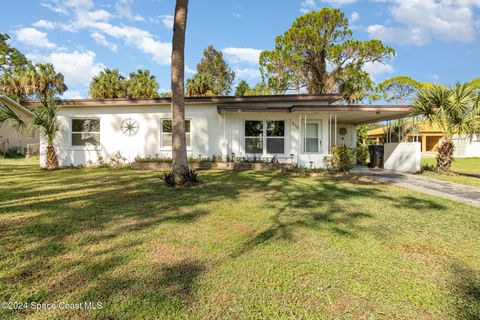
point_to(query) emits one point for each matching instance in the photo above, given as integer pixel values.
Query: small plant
(169, 179)
(189, 178)
(428, 167)
(342, 159)
(118, 160)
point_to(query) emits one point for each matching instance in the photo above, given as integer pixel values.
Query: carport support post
(335, 136)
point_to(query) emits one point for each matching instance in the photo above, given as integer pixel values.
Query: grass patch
(463, 171)
(239, 245)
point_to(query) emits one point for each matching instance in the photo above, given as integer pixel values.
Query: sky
(435, 40)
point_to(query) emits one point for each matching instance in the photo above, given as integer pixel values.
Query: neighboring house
(291, 128)
(430, 136)
(19, 141)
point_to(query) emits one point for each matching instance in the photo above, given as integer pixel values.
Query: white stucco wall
(466, 147)
(11, 138)
(211, 133)
(404, 157)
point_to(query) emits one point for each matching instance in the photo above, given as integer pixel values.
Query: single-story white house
(292, 128)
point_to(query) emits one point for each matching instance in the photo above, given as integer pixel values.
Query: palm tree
(456, 111)
(108, 84)
(44, 81)
(179, 148)
(12, 84)
(200, 85)
(142, 84)
(46, 120)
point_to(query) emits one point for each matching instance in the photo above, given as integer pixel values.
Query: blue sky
(435, 40)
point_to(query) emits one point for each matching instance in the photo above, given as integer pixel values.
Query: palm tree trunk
(445, 155)
(52, 159)
(179, 148)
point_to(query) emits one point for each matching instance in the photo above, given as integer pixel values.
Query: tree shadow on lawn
(325, 204)
(466, 287)
(100, 207)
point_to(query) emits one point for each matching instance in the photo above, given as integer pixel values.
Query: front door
(312, 138)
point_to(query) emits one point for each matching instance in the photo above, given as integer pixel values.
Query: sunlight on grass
(239, 245)
(464, 171)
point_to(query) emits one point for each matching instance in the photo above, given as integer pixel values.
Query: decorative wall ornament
(342, 131)
(129, 127)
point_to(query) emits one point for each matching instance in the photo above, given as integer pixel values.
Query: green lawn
(241, 245)
(464, 171)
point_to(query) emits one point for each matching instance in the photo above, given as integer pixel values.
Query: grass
(463, 171)
(241, 245)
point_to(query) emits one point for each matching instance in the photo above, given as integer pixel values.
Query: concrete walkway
(427, 185)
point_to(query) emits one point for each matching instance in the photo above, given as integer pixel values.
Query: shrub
(428, 167)
(189, 178)
(169, 179)
(362, 154)
(342, 159)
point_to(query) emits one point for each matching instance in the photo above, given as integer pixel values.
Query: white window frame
(265, 137)
(78, 147)
(304, 136)
(167, 148)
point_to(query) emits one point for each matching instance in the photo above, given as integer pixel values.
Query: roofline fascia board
(197, 100)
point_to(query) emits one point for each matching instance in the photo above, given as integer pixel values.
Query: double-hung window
(86, 132)
(264, 137)
(167, 140)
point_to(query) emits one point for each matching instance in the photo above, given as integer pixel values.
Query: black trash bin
(376, 156)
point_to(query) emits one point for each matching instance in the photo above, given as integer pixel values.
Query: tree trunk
(445, 156)
(179, 148)
(52, 159)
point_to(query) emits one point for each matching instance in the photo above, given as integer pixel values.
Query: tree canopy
(10, 57)
(141, 84)
(242, 88)
(109, 83)
(214, 76)
(318, 53)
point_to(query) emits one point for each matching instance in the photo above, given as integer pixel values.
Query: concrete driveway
(427, 185)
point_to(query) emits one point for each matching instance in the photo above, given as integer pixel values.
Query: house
(17, 141)
(430, 136)
(292, 128)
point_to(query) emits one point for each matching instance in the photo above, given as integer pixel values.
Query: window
(254, 136)
(85, 132)
(264, 137)
(167, 133)
(275, 136)
(311, 138)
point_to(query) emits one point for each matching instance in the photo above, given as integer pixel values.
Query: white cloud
(44, 24)
(247, 73)
(96, 21)
(378, 68)
(167, 21)
(77, 67)
(141, 39)
(33, 37)
(189, 70)
(102, 40)
(312, 5)
(420, 21)
(354, 17)
(124, 10)
(237, 55)
(63, 6)
(72, 94)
